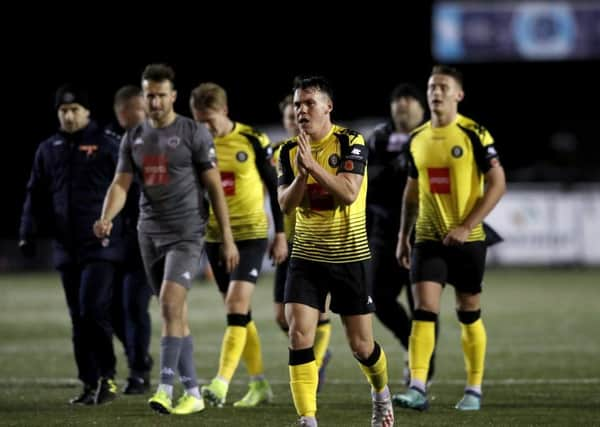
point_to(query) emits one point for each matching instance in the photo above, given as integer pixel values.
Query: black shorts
(281, 271)
(252, 253)
(309, 282)
(461, 266)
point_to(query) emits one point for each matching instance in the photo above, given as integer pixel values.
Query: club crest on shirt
(334, 160)
(241, 156)
(173, 142)
(456, 151)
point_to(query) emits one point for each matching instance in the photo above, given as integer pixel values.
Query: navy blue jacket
(66, 189)
(130, 213)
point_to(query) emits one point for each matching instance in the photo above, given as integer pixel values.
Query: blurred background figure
(244, 157)
(388, 171)
(71, 171)
(132, 293)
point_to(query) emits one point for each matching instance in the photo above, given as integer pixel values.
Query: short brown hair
(159, 73)
(288, 100)
(208, 96)
(126, 93)
(447, 70)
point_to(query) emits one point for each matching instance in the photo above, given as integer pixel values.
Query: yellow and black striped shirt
(327, 230)
(450, 163)
(238, 154)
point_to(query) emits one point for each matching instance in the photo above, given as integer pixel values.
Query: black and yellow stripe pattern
(450, 163)
(244, 191)
(327, 230)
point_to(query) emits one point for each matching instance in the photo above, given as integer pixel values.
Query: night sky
(364, 56)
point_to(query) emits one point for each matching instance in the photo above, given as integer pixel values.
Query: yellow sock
(233, 344)
(303, 383)
(322, 338)
(252, 354)
(376, 371)
(420, 349)
(474, 340)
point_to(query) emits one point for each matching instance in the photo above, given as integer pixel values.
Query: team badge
(241, 156)
(173, 142)
(348, 165)
(456, 151)
(334, 160)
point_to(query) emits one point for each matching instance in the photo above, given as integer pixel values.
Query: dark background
(364, 53)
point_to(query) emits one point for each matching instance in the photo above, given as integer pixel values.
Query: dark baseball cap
(71, 94)
(408, 90)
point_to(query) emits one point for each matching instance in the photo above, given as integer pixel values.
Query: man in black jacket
(132, 293)
(388, 171)
(71, 172)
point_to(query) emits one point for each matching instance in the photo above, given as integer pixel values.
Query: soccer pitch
(542, 365)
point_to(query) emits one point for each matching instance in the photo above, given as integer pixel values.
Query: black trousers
(88, 289)
(131, 318)
(388, 279)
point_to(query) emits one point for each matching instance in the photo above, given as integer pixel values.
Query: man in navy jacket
(71, 173)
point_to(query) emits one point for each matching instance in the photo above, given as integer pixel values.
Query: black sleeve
(286, 173)
(269, 177)
(413, 172)
(484, 154)
(34, 198)
(353, 157)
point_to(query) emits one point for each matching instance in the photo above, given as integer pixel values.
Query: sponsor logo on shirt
(228, 183)
(156, 170)
(439, 180)
(319, 198)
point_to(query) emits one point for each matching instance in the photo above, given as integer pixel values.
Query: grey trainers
(471, 401)
(383, 413)
(413, 398)
(307, 422)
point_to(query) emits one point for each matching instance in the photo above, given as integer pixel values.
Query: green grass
(542, 363)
